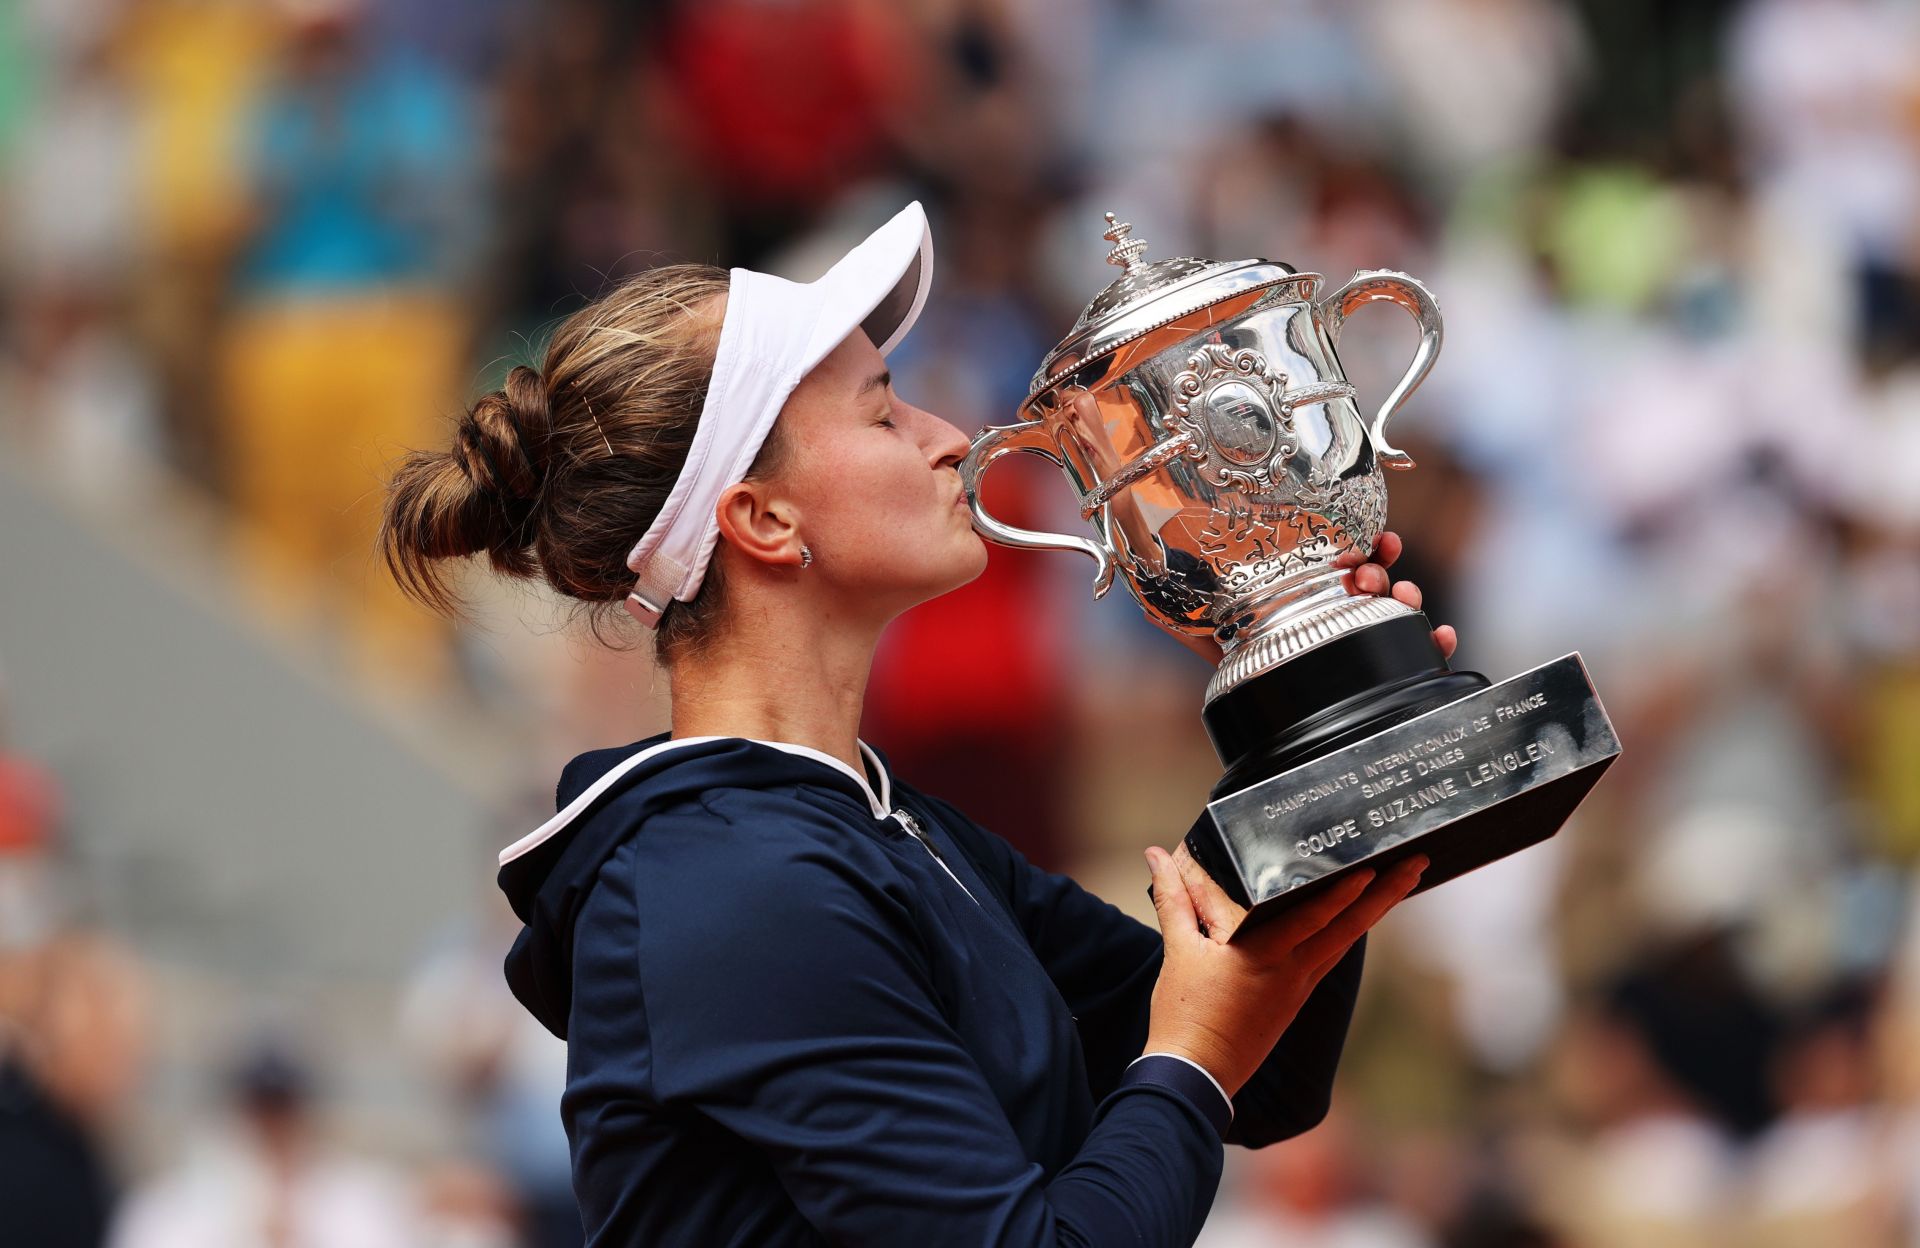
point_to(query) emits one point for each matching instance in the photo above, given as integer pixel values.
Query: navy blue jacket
(794, 1016)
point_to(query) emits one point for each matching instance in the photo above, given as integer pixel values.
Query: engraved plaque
(1498, 769)
(1240, 423)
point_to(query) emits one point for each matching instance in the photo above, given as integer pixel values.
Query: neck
(779, 678)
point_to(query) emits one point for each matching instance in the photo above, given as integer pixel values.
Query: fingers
(1308, 917)
(1359, 918)
(1350, 924)
(1218, 913)
(1446, 639)
(1171, 904)
(1406, 592)
(1368, 572)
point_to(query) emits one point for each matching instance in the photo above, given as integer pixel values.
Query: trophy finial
(1126, 251)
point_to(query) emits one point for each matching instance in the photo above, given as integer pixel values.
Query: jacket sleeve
(1105, 963)
(789, 999)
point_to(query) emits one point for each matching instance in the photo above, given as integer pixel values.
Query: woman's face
(875, 483)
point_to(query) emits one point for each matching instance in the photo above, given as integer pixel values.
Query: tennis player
(804, 1002)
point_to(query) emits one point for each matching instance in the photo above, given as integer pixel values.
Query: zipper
(906, 819)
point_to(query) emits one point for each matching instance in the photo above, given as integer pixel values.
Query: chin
(963, 567)
(975, 560)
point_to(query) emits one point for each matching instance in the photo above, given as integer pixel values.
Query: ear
(759, 524)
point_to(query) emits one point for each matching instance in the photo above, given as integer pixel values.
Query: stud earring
(806, 556)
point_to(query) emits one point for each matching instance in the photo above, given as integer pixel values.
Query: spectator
(72, 1016)
(347, 334)
(270, 1182)
(1826, 1172)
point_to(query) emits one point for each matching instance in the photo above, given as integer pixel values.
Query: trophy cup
(1200, 412)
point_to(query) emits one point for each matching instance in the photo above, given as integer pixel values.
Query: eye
(886, 422)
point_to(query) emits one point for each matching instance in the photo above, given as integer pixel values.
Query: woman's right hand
(1224, 1003)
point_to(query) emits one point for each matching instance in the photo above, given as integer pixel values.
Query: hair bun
(532, 418)
(555, 473)
(498, 438)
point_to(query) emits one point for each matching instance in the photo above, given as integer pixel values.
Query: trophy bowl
(1219, 457)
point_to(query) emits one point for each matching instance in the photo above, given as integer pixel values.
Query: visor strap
(655, 588)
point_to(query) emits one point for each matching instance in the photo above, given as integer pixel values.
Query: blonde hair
(561, 470)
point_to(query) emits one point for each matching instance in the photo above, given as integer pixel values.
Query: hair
(557, 473)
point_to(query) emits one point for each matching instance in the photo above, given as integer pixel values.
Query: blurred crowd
(254, 250)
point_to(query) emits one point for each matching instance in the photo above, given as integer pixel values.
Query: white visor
(774, 333)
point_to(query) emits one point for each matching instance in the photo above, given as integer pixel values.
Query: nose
(946, 445)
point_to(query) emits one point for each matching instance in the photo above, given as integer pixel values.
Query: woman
(804, 1002)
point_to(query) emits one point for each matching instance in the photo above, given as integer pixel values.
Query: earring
(806, 556)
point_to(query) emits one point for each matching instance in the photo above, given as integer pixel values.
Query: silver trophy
(1199, 410)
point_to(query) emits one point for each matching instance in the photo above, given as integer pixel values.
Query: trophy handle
(1408, 293)
(998, 440)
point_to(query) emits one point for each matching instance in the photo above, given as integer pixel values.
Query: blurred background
(250, 799)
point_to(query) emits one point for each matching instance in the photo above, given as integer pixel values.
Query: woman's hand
(1369, 576)
(1224, 1005)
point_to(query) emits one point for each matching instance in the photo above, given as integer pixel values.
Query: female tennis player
(804, 1002)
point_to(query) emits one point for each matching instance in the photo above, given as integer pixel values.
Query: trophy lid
(1146, 296)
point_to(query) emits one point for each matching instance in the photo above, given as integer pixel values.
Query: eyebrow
(878, 381)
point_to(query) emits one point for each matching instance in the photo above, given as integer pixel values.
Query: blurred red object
(787, 103)
(30, 805)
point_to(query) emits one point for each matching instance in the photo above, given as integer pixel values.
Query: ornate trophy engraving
(1200, 413)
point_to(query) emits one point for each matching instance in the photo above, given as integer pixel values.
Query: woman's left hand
(1369, 576)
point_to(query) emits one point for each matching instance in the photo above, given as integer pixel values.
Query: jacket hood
(602, 799)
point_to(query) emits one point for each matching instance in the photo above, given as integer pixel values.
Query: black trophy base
(1368, 749)
(1336, 693)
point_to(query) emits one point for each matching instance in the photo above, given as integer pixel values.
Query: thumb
(1171, 902)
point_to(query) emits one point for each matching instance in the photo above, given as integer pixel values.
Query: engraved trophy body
(1199, 411)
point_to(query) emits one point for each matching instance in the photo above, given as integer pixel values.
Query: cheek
(874, 487)
(875, 506)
